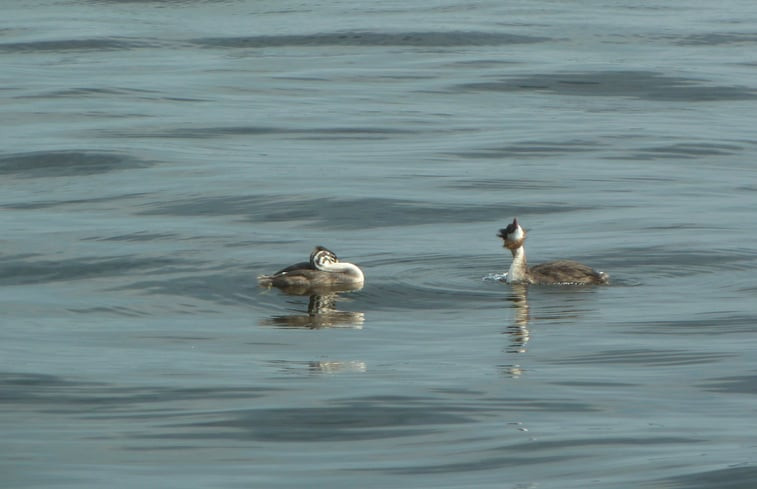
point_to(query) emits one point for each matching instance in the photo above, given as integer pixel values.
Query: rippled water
(157, 156)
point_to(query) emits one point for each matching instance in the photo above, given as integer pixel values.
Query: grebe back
(322, 270)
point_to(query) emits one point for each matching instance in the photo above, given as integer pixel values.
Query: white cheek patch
(516, 235)
(324, 259)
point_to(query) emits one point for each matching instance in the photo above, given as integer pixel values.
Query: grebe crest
(560, 272)
(513, 235)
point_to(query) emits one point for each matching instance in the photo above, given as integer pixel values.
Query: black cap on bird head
(510, 229)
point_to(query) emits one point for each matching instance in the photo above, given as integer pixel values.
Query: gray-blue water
(156, 156)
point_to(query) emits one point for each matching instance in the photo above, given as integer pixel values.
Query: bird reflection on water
(321, 311)
(553, 305)
(518, 330)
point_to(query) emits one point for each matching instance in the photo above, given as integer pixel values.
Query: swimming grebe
(323, 270)
(554, 272)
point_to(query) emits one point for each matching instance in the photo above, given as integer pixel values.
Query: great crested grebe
(323, 270)
(560, 272)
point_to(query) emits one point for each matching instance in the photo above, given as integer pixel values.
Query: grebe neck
(344, 267)
(518, 271)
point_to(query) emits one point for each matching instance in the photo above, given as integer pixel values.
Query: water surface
(158, 156)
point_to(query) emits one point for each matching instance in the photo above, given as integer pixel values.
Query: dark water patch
(645, 85)
(320, 424)
(526, 453)
(536, 149)
(137, 237)
(646, 358)
(581, 383)
(198, 132)
(742, 384)
(79, 92)
(91, 93)
(682, 150)
(740, 477)
(14, 380)
(718, 39)
(45, 204)
(540, 405)
(68, 45)
(716, 323)
(747, 187)
(23, 270)
(348, 420)
(481, 463)
(54, 394)
(319, 133)
(568, 444)
(327, 213)
(480, 63)
(114, 310)
(370, 39)
(515, 183)
(67, 163)
(508, 184)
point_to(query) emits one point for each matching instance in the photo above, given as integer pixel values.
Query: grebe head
(321, 258)
(513, 235)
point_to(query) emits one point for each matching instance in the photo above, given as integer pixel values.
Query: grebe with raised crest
(560, 272)
(322, 270)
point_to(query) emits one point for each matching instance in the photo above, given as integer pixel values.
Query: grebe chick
(323, 270)
(558, 272)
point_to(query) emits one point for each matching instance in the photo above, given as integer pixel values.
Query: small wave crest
(495, 277)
